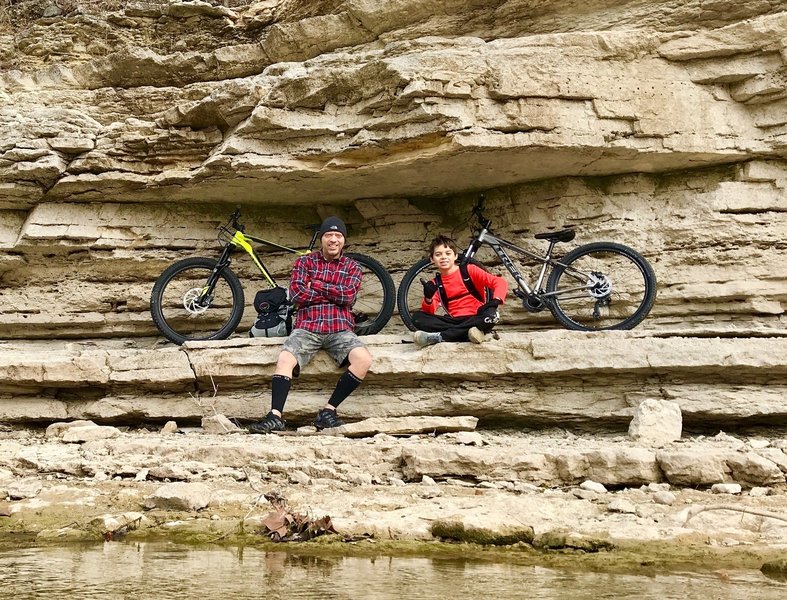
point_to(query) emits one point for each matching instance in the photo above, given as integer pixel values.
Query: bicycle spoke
(615, 289)
(374, 303)
(181, 308)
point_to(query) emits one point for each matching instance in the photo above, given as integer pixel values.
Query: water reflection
(160, 570)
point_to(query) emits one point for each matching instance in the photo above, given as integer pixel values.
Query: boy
(471, 311)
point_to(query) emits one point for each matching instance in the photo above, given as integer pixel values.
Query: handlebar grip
(478, 209)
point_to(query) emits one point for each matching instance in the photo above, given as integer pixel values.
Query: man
(463, 294)
(323, 287)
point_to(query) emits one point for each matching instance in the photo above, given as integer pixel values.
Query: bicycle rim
(602, 286)
(374, 303)
(180, 315)
(411, 292)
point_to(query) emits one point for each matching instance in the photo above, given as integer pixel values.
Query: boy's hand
(490, 307)
(430, 288)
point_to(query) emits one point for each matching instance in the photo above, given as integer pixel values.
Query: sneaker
(326, 419)
(424, 338)
(269, 424)
(475, 335)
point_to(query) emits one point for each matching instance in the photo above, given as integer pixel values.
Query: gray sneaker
(475, 335)
(424, 338)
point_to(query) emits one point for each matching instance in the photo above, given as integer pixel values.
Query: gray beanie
(333, 224)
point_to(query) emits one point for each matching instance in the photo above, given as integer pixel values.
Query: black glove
(490, 306)
(430, 288)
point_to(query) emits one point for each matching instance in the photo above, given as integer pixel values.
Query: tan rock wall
(126, 139)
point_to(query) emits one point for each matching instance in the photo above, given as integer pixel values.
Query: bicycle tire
(179, 282)
(375, 301)
(623, 305)
(409, 300)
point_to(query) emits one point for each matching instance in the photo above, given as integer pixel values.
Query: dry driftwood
(695, 510)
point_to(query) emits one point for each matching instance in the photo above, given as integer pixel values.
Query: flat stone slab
(405, 426)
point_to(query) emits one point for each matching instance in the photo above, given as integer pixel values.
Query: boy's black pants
(454, 329)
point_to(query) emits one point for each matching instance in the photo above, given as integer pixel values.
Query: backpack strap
(468, 282)
(441, 291)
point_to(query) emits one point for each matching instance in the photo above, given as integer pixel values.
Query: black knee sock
(280, 387)
(345, 386)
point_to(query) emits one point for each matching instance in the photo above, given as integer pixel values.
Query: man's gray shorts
(303, 345)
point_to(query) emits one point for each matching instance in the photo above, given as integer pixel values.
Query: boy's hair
(443, 240)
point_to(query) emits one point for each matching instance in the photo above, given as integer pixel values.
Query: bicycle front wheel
(184, 310)
(374, 303)
(601, 286)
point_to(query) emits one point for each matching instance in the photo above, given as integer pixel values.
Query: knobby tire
(633, 288)
(373, 307)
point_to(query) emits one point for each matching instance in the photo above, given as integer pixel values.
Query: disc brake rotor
(191, 302)
(599, 286)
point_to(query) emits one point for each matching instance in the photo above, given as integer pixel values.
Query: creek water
(162, 571)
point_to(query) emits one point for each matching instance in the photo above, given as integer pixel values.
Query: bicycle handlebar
(478, 211)
(234, 220)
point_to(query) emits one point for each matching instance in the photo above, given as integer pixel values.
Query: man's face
(443, 257)
(332, 244)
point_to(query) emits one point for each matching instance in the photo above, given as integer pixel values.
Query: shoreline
(197, 488)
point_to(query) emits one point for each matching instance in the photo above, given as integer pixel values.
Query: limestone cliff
(127, 137)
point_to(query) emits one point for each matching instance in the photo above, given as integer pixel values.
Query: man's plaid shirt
(324, 291)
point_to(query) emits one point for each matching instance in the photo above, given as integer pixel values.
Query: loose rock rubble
(410, 487)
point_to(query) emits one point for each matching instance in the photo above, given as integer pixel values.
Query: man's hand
(430, 288)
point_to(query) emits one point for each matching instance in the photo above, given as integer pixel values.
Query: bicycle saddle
(564, 235)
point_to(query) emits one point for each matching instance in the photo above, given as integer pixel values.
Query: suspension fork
(206, 295)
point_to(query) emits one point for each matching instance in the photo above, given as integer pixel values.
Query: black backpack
(274, 313)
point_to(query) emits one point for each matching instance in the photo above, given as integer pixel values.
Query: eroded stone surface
(370, 485)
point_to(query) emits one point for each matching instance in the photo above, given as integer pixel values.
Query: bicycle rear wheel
(175, 306)
(411, 293)
(374, 303)
(601, 286)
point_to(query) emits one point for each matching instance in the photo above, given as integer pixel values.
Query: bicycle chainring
(534, 303)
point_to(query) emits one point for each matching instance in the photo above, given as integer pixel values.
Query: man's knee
(360, 358)
(286, 363)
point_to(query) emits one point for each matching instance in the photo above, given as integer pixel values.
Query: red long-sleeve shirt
(461, 303)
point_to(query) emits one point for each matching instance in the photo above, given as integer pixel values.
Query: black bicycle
(202, 298)
(598, 286)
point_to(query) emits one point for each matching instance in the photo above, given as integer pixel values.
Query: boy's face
(443, 258)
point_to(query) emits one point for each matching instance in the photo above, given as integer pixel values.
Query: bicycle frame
(242, 240)
(499, 245)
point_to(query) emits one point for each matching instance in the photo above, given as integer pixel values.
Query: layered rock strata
(565, 379)
(126, 138)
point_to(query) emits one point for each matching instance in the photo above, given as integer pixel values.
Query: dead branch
(695, 510)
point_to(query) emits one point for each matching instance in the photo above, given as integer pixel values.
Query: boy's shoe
(269, 424)
(424, 338)
(327, 419)
(475, 335)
